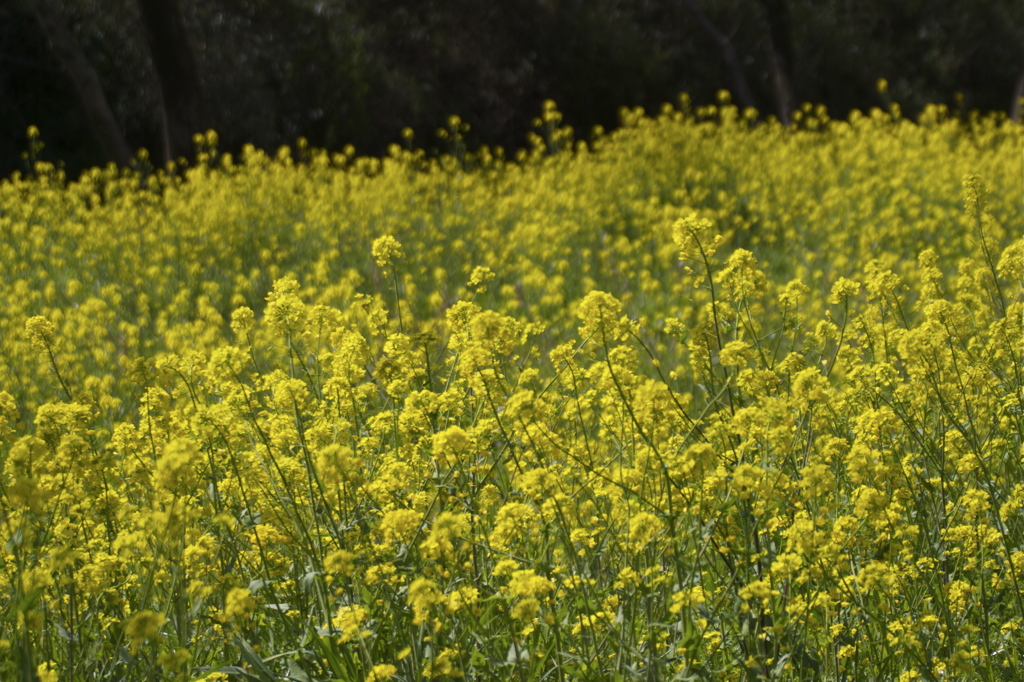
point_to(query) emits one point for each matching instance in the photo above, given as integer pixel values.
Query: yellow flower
(746, 480)
(505, 567)
(480, 277)
(526, 609)
(687, 598)
(688, 235)
(593, 621)
(381, 672)
(385, 250)
(285, 311)
(843, 289)
(741, 276)
(173, 661)
(809, 385)
(40, 332)
(512, 522)
(337, 464)
(47, 672)
(238, 603)
(242, 321)
(758, 590)
(451, 445)
(959, 594)
(464, 597)
(526, 583)
(8, 415)
(643, 528)
(340, 562)
(177, 468)
(349, 620)
(399, 525)
(144, 626)
(734, 354)
(423, 594)
(444, 664)
(446, 530)
(599, 313)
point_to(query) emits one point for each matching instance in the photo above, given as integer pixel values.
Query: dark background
(358, 71)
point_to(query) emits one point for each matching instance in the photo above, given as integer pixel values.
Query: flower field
(698, 399)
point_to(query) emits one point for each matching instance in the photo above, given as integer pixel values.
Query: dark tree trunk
(1018, 96)
(781, 35)
(744, 95)
(180, 93)
(77, 66)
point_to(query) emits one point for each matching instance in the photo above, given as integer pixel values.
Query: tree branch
(781, 40)
(180, 92)
(744, 95)
(77, 66)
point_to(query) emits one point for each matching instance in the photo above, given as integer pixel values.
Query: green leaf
(516, 654)
(258, 665)
(29, 600)
(327, 648)
(297, 673)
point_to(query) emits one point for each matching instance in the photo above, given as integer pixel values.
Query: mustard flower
(688, 234)
(144, 626)
(480, 277)
(505, 567)
(177, 467)
(644, 527)
(599, 313)
(423, 594)
(381, 672)
(809, 385)
(8, 415)
(746, 480)
(687, 598)
(285, 311)
(340, 562)
(349, 621)
(741, 276)
(463, 597)
(444, 664)
(385, 250)
(734, 354)
(795, 292)
(446, 531)
(526, 610)
(243, 320)
(337, 464)
(497, 333)
(238, 603)
(173, 661)
(880, 282)
(451, 445)
(512, 522)
(758, 590)
(399, 525)
(381, 573)
(47, 672)
(526, 583)
(598, 619)
(844, 288)
(41, 332)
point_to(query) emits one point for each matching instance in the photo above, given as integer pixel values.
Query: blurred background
(103, 78)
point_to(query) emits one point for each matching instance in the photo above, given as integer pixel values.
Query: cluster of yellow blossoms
(698, 399)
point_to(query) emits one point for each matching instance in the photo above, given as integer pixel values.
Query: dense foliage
(701, 399)
(355, 72)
